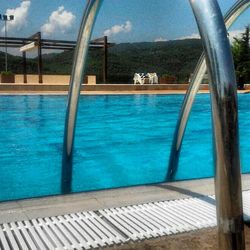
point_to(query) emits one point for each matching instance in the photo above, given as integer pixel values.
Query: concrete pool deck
(177, 215)
(86, 89)
(100, 89)
(146, 92)
(64, 204)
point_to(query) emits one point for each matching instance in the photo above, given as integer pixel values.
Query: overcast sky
(121, 20)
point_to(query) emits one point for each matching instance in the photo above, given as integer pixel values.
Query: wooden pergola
(14, 42)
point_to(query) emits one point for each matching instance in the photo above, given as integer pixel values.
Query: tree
(241, 55)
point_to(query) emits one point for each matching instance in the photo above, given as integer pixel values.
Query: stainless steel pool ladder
(224, 111)
(231, 16)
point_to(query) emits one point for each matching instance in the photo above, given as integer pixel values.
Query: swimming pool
(121, 140)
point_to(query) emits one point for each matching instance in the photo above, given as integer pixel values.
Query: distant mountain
(50, 55)
(15, 64)
(177, 58)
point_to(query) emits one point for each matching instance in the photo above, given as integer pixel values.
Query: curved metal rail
(224, 111)
(225, 123)
(237, 9)
(76, 79)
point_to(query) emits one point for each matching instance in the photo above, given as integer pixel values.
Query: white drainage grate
(162, 218)
(74, 231)
(107, 227)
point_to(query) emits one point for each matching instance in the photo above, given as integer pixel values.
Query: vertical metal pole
(235, 11)
(24, 67)
(40, 63)
(105, 59)
(225, 123)
(6, 50)
(79, 64)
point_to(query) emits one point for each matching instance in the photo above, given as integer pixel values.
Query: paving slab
(72, 203)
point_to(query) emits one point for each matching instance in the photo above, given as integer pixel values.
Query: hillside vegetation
(177, 58)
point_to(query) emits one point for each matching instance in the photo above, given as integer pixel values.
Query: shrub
(7, 73)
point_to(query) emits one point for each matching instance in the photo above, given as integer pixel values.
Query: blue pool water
(120, 141)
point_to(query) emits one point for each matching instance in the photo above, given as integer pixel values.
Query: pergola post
(105, 59)
(39, 49)
(24, 67)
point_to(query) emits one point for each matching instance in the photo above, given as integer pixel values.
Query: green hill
(15, 64)
(177, 58)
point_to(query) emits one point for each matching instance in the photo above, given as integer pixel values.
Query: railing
(224, 109)
(237, 9)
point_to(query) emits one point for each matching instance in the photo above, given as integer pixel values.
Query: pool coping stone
(64, 204)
